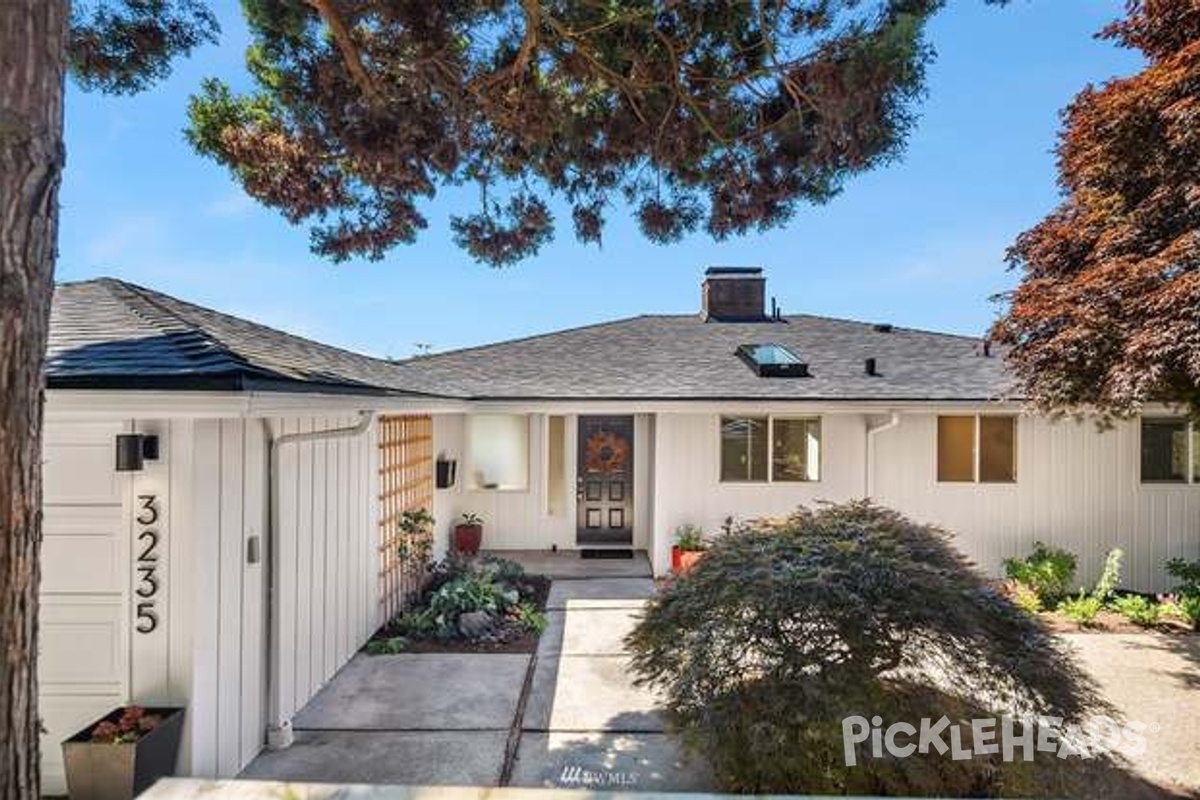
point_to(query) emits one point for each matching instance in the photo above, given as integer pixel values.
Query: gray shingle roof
(106, 333)
(684, 357)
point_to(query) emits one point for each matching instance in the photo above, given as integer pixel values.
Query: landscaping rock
(475, 624)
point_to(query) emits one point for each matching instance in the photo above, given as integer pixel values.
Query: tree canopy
(1107, 315)
(714, 115)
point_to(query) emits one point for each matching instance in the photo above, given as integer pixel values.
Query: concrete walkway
(567, 717)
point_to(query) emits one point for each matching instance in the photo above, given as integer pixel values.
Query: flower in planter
(133, 724)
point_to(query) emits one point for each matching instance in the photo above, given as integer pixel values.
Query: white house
(239, 566)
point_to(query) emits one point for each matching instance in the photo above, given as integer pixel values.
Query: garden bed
(476, 605)
(1111, 622)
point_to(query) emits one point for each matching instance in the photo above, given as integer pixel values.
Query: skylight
(772, 360)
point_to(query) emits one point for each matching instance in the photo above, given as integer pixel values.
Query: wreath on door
(606, 452)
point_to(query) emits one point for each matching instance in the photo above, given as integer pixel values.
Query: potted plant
(688, 547)
(468, 534)
(120, 756)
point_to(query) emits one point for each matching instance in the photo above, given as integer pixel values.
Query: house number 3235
(146, 584)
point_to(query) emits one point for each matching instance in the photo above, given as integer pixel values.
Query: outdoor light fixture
(134, 449)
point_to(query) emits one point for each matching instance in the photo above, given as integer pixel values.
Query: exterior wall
(520, 520)
(208, 650)
(688, 489)
(1076, 488)
(328, 554)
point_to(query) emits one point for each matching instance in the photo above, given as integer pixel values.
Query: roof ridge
(528, 338)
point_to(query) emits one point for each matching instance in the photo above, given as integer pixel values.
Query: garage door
(84, 666)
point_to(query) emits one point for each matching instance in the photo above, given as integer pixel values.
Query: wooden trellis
(405, 484)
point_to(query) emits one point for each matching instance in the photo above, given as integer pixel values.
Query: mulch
(525, 642)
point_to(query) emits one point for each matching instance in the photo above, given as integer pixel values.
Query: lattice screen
(405, 484)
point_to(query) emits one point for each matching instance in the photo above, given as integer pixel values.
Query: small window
(977, 449)
(1169, 451)
(498, 448)
(796, 450)
(556, 468)
(743, 449)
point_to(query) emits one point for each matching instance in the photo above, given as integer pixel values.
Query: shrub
(1082, 609)
(787, 627)
(1110, 576)
(1188, 575)
(1138, 609)
(1023, 597)
(1048, 571)
(1187, 608)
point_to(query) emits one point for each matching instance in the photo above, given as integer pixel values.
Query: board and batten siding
(688, 488)
(1076, 488)
(521, 520)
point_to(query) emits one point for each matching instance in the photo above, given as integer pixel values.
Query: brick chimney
(734, 294)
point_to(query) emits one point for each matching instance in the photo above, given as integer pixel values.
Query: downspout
(872, 432)
(279, 730)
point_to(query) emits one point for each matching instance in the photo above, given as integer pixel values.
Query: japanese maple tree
(1107, 314)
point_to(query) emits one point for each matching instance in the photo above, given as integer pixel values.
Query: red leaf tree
(1107, 314)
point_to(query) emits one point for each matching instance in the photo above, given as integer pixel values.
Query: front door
(604, 482)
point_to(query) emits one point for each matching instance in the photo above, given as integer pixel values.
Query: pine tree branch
(351, 55)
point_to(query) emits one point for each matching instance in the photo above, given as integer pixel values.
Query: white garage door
(84, 666)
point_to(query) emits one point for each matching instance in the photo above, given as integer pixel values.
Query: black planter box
(108, 771)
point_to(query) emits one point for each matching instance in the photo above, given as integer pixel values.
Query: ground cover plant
(787, 627)
(484, 603)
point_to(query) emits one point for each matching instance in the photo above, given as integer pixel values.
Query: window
(762, 449)
(979, 449)
(1170, 451)
(743, 449)
(498, 449)
(556, 468)
(796, 450)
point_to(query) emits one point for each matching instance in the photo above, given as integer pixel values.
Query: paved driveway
(568, 716)
(1154, 679)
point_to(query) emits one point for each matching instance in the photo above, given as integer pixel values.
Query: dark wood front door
(604, 482)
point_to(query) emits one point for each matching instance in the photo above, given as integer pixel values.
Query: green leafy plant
(1138, 609)
(529, 617)
(470, 518)
(503, 570)
(1048, 571)
(1024, 597)
(388, 646)
(689, 538)
(416, 539)
(786, 625)
(1187, 608)
(1082, 609)
(1110, 576)
(1187, 591)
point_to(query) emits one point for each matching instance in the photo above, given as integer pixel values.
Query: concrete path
(1154, 679)
(568, 717)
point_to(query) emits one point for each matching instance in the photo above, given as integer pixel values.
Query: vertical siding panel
(202, 711)
(253, 594)
(181, 568)
(229, 598)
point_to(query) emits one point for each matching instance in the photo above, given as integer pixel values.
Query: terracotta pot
(467, 539)
(106, 771)
(688, 559)
(675, 560)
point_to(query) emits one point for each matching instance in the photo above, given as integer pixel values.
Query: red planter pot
(682, 561)
(467, 539)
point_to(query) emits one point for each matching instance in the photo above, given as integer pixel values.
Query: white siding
(328, 554)
(519, 520)
(688, 489)
(1076, 487)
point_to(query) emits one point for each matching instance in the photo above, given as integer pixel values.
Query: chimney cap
(733, 272)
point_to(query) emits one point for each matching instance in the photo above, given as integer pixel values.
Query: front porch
(562, 565)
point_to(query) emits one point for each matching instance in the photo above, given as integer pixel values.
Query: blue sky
(918, 243)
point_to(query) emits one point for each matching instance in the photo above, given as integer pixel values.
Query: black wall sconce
(446, 472)
(134, 449)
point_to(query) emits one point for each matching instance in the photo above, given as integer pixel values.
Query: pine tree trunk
(32, 64)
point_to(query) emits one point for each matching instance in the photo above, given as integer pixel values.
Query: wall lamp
(134, 449)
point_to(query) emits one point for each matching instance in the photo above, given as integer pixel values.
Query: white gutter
(872, 432)
(279, 730)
